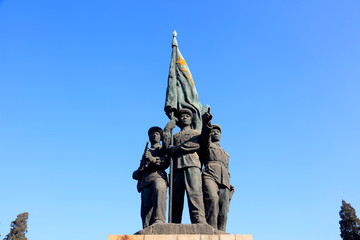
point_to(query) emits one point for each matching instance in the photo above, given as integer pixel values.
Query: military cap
(155, 129)
(215, 126)
(185, 110)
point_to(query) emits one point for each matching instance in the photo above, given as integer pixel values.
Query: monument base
(173, 228)
(180, 237)
(172, 231)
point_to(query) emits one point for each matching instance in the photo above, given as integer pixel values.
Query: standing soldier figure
(152, 180)
(187, 168)
(216, 177)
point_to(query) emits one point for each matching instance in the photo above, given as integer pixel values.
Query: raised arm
(167, 133)
(205, 137)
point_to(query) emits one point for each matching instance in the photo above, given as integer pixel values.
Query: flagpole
(171, 175)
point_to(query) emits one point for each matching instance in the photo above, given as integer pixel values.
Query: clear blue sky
(82, 81)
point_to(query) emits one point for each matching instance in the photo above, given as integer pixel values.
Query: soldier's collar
(217, 143)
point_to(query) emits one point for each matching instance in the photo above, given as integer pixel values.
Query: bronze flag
(181, 92)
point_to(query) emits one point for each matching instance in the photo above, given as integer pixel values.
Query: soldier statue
(216, 178)
(152, 180)
(187, 168)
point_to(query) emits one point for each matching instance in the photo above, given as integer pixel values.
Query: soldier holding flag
(185, 169)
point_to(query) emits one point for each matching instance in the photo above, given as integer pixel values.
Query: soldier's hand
(171, 124)
(207, 117)
(148, 155)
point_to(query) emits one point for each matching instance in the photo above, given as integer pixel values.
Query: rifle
(143, 162)
(138, 174)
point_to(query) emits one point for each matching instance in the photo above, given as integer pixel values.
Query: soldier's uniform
(187, 176)
(216, 180)
(152, 183)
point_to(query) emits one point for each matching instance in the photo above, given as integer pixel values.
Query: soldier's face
(185, 119)
(215, 135)
(155, 137)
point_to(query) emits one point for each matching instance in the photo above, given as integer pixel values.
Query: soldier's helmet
(185, 110)
(155, 129)
(216, 126)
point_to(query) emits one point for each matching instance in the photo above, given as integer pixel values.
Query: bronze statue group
(200, 167)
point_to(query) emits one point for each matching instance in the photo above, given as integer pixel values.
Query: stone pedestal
(180, 237)
(171, 231)
(175, 229)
